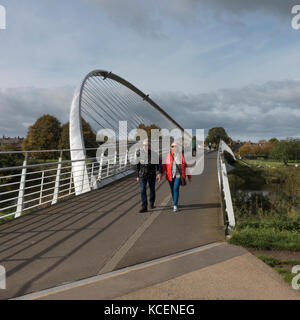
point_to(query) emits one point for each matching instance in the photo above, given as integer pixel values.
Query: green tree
(64, 141)
(88, 135)
(10, 159)
(286, 150)
(44, 134)
(216, 134)
(273, 140)
(148, 128)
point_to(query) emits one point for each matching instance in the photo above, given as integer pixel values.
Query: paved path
(101, 231)
(215, 271)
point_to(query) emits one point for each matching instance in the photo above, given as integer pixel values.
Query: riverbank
(266, 203)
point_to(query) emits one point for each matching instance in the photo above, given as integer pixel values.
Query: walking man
(147, 173)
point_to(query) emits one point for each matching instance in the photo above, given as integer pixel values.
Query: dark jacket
(145, 169)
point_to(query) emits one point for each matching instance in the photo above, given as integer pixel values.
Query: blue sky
(232, 63)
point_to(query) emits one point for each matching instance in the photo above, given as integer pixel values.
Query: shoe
(152, 206)
(143, 210)
(175, 209)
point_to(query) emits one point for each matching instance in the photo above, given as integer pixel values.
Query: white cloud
(254, 111)
(250, 112)
(20, 107)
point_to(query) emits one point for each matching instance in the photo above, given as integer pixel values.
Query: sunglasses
(172, 146)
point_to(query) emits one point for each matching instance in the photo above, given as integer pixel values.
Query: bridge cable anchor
(107, 74)
(145, 97)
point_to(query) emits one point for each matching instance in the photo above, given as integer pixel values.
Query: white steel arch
(77, 145)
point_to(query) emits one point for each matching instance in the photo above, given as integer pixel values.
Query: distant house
(15, 142)
(261, 142)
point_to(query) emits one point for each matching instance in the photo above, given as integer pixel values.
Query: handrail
(41, 183)
(224, 183)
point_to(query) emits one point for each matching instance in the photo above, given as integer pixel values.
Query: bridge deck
(102, 231)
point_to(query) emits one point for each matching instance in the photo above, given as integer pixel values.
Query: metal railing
(224, 183)
(32, 183)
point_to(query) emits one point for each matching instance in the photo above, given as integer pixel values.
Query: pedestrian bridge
(77, 217)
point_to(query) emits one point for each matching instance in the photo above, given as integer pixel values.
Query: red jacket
(167, 167)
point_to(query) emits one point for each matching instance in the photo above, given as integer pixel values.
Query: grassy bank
(269, 163)
(266, 203)
(283, 267)
(275, 233)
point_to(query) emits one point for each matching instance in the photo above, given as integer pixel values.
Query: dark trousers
(143, 185)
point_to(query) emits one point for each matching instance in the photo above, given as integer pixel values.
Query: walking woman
(175, 169)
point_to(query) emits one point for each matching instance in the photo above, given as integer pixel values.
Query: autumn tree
(148, 128)
(216, 134)
(88, 135)
(245, 149)
(267, 148)
(44, 134)
(64, 141)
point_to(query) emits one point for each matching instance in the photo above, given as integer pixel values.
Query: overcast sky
(232, 63)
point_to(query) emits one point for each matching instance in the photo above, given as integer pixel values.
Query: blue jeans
(174, 186)
(143, 186)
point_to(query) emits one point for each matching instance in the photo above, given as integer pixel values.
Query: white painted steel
(57, 180)
(224, 183)
(80, 175)
(31, 192)
(20, 204)
(86, 183)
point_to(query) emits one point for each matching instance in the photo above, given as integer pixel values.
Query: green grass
(272, 262)
(274, 233)
(287, 275)
(244, 177)
(268, 163)
(281, 267)
(276, 223)
(266, 239)
(264, 163)
(268, 221)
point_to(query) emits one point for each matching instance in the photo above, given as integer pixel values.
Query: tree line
(47, 133)
(283, 150)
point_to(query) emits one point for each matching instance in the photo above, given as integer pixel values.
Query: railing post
(224, 183)
(100, 167)
(70, 187)
(227, 194)
(120, 163)
(126, 158)
(115, 159)
(108, 164)
(219, 169)
(20, 205)
(92, 174)
(57, 180)
(115, 162)
(42, 186)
